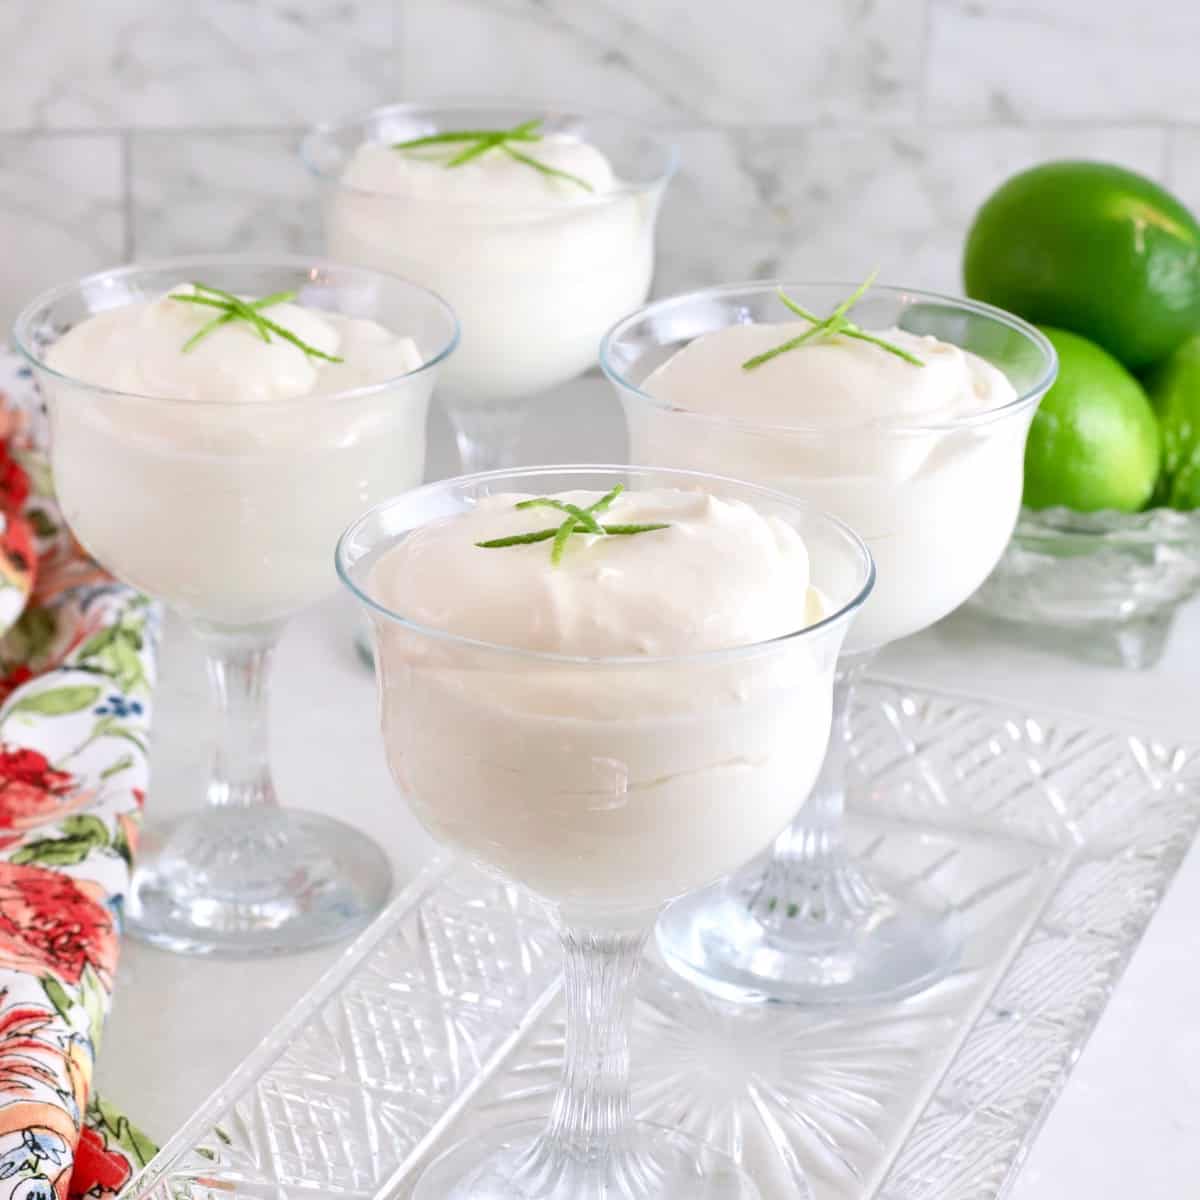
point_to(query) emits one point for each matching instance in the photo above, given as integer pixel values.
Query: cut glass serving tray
(1058, 838)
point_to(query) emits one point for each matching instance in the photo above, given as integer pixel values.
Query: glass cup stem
(810, 882)
(242, 875)
(832, 928)
(239, 665)
(592, 1108)
(487, 437)
(590, 1146)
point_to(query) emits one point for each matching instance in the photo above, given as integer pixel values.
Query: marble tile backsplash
(817, 140)
(769, 62)
(62, 211)
(1063, 60)
(195, 193)
(834, 202)
(241, 64)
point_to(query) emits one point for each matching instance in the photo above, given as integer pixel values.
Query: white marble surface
(1062, 60)
(812, 202)
(817, 139)
(192, 193)
(61, 212)
(772, 62)
(1128, 1120)
(1183, 164)
(72, 64)
(833, 203)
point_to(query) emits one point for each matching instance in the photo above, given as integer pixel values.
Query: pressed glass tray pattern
(1056, 836)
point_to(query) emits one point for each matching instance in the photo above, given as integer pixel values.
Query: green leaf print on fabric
(32, 636)
(85, 825)
(118, 1128)
(122, 764)
(58, 996)
(57, 702)
(41, 521)
(117, 652)
(82, 834)
(84, 1008)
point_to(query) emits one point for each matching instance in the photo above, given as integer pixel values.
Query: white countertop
(1128, 1122)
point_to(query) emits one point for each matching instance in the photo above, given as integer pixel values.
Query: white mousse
(218, 478)
(138, 348)
(720, 575)
(537, 267)
(493, 180)
(840, 383)
(605, 786)
(861, 433)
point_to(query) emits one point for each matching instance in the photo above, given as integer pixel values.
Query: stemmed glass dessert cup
(227, 511)
(607, 786)
(535, 287)
(936, 502)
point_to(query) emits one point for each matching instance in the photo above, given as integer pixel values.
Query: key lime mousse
(531, 236)
(209, 448)
(632, 766)
(874, 426)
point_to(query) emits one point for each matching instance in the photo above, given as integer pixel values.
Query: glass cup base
(246, 882)
(518, 1162)
(880, 940)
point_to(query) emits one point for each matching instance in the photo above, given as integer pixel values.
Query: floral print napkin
(76, 669)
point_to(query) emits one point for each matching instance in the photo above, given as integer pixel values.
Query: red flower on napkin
(32, 792)
(18, 555)
(98, 1171)
(51, 923)
(14, 482)
(9, 683)
(17, 544)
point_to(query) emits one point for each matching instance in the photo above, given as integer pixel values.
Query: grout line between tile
(1169, 150)
(34, 131)
(397, 79)
(923, 89)
(676, 126)
(128, 239)
(679, 127)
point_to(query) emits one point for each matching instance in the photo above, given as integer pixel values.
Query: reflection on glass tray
(1056, 835)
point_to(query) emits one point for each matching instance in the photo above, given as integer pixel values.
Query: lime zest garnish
(479, 141)
(579, 520)
(831, 326)
(585, 518)
(234, 308)
(546, 169)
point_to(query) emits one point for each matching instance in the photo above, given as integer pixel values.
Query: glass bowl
(1103, 586)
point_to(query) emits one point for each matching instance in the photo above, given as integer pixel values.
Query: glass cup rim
(507, 105)
(190, 263)
(729, 653)
(758, 287)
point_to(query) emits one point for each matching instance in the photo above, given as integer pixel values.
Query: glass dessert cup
(534, 288)
(226, 511)
(936, 504)
(608, 787)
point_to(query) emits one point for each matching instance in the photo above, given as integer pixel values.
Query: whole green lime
(1095, 441)
(1174, 390)
(1095, 249)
